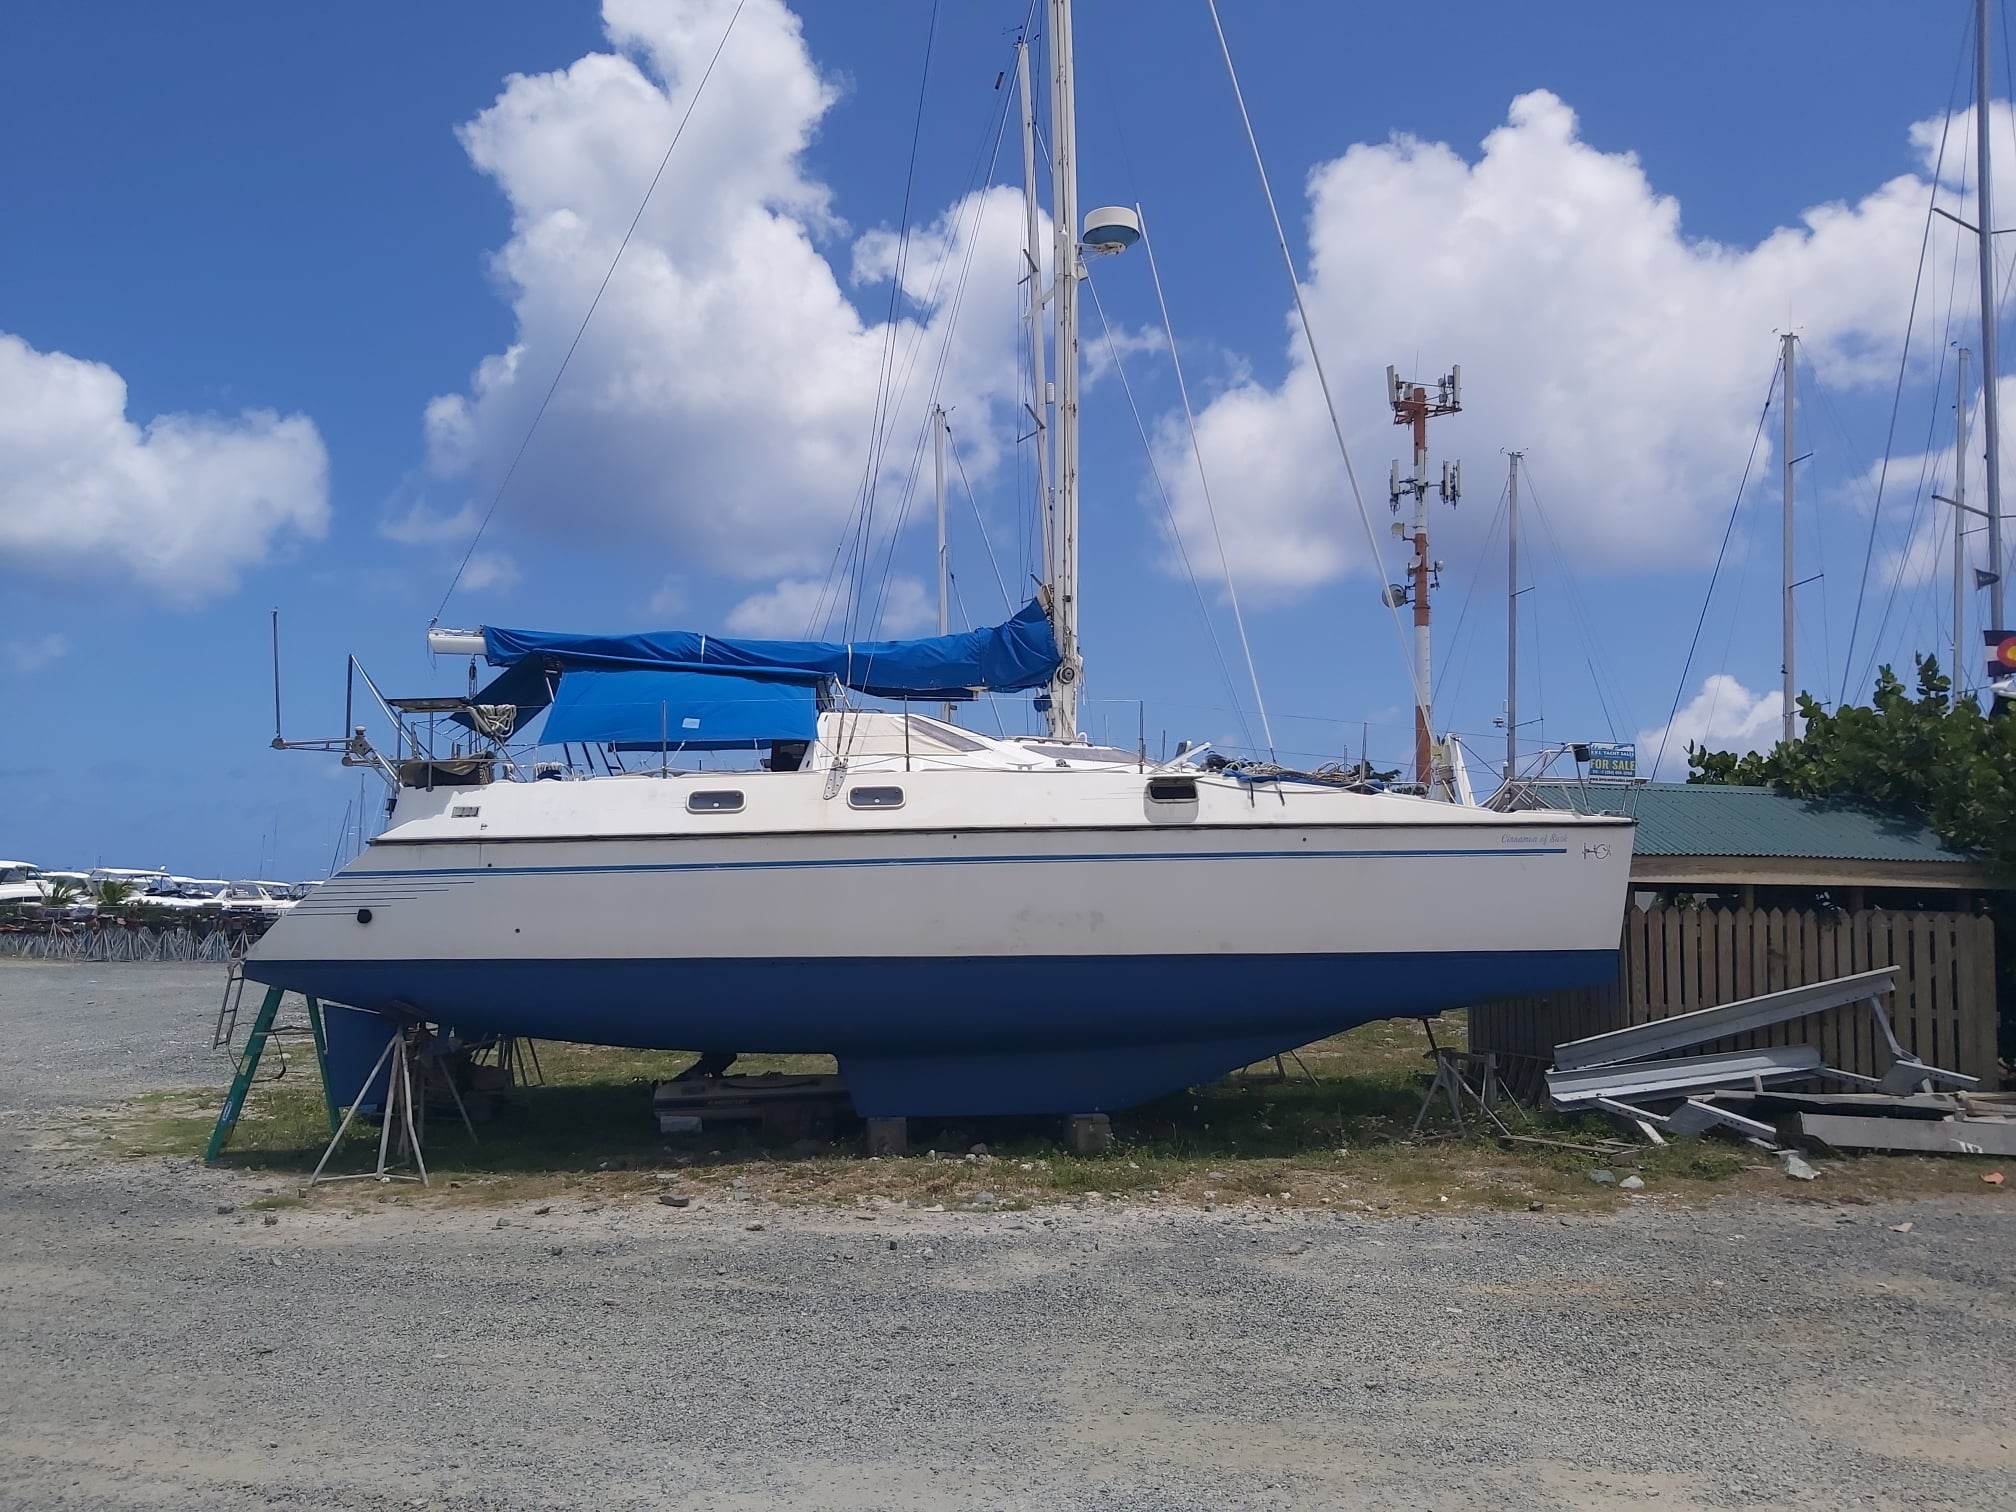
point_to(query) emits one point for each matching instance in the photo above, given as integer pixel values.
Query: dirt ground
(175, 1336)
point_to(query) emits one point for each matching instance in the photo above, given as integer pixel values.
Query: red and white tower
(1413, 403)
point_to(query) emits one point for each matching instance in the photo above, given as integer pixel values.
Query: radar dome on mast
(1112, 228)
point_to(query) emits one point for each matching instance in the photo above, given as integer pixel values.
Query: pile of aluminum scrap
(1639, 1076)
(1950, 1123)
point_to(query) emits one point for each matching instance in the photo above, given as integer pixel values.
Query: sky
(284, 288)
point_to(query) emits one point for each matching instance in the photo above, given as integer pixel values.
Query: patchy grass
(1334, 1132)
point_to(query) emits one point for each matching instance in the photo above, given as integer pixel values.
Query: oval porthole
(363, 916)
(875, 797)
(714, 801)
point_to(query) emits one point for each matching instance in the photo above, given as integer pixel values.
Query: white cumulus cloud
(182, 504)
(1723, 716)
(796, 607)
(1629, 357)
(490, 569)
(722, 399)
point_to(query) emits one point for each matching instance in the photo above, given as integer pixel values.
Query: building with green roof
(1705, 837)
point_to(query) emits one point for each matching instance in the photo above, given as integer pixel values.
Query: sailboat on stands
(970, 925)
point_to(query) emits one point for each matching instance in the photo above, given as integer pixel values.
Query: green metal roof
(1686, 819)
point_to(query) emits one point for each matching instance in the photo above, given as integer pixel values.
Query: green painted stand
(248, 1066)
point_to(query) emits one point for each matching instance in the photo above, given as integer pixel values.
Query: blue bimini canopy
(1000, 658)
(690, 711)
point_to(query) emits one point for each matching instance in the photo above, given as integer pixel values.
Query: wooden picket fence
(1675, 960)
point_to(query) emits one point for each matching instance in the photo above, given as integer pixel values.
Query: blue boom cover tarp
(691, 711)
(1002, 658)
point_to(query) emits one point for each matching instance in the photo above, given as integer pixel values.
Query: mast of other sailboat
(1063, 534)
(1984, 205)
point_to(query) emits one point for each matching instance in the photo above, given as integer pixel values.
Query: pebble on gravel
(674, 1200)
(1633, 1183)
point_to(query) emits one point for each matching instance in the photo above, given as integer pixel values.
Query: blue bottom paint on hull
(922, 1036)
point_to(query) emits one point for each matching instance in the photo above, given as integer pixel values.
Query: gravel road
(155, 1351)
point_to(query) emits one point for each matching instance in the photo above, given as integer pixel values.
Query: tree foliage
(1935, 757)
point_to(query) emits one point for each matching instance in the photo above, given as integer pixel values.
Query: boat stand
(399, 1108)
(1466, 1080)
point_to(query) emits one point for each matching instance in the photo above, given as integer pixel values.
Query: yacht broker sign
(1614, 760)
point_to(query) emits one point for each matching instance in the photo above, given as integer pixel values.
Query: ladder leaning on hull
(255, 1049)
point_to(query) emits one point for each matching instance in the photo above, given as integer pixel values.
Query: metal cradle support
(399, 1109)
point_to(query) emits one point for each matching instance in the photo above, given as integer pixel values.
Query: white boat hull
(1040, 968)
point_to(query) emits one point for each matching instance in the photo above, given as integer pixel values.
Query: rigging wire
(1722, 552)
(979, 521)
(1421, 698)
(953, 310)
(878, 420)
(1585, 622)
(937, 389)
(1169, 512)
(1452, 658)
(553, 388)
(1204, 480)
(1927, 461)
(837, 583)
(1903, 360)
(1926, 464)
(956, 306)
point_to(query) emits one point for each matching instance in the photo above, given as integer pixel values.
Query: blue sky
(264, 222)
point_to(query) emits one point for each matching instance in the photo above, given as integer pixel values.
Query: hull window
(714, 801)
(1172, 789)
(875, 797)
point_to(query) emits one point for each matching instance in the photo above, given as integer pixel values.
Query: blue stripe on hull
(954, 1036)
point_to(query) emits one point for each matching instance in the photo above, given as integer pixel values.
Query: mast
(1064, 269)
(1959, 502)
(1791, 679)
(1512, 619)
(1032, 251)
(944, 560)
(1984, 236)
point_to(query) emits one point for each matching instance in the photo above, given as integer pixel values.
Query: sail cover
(691, 711)
(1000, 658)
